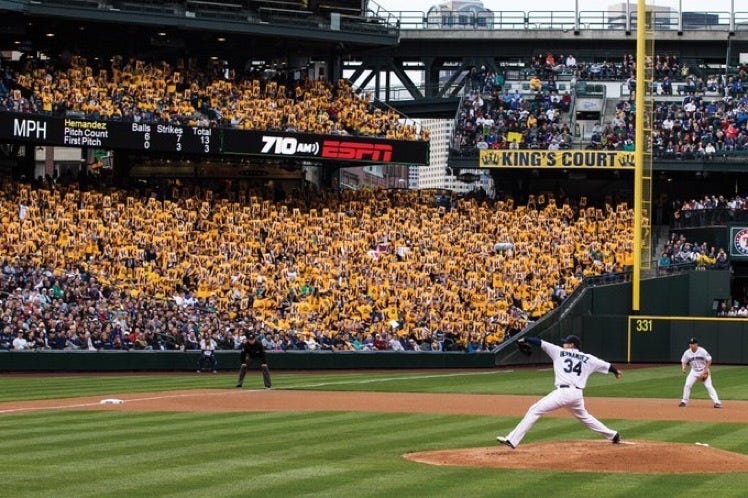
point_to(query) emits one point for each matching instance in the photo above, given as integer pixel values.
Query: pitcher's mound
(652, 457)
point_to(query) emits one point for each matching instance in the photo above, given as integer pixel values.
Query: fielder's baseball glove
(524, 347)
(704, 375)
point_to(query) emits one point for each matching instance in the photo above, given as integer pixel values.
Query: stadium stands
(135, 90)
(319, 265)
(679, 252)
(497, 115)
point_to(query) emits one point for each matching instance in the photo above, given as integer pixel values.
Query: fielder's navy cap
(572, 339)
(693, 340)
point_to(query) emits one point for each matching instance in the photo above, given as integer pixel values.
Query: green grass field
(84, 453)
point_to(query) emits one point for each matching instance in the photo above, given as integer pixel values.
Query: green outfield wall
(673, 309)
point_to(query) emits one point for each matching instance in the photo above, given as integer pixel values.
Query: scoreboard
(139, 136)
(181, 139)
(70, 132)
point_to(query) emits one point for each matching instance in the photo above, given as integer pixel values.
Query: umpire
(252, 353)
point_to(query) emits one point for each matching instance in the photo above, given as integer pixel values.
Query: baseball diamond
(632, 455)
(438, 223)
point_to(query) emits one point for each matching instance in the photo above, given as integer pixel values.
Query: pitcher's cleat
(616, 439)
(504, 441)
(682, 405)
(717, 405)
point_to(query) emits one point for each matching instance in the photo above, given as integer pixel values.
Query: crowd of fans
(711, 119)
(679, 252)
(701, 127)
(342, 270)
(667, 69)
(135, 90)
(110, 268)
(709, 210)
(551, 65)
(697, 127)
(733, 308)
(504, 120)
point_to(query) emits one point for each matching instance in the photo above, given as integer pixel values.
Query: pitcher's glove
(704, 375)
(524, 347)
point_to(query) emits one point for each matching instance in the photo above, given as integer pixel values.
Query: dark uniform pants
(208, 357)
(263, 367)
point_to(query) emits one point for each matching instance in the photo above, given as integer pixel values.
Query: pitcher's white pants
(691, 380)
(570, 398)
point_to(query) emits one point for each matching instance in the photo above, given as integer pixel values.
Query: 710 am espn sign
(592, 159)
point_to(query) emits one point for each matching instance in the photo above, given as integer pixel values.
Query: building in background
(437, 174)
(460, 14)
(700, 20)
(665, 17)
(374, 176)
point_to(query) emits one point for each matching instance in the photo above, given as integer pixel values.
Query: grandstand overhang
(104, 27)
(704, 44)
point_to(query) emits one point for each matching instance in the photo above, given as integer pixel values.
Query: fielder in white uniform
(700, 361)
(572, 369)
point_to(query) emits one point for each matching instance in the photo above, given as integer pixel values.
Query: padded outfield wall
(674, 309)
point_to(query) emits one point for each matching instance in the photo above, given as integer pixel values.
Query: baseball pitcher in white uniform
(700, 361)
(572, 368)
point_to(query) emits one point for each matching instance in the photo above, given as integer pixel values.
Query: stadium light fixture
(50, 35)
(221, 39)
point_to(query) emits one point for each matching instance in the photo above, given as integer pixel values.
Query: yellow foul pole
(641, 18)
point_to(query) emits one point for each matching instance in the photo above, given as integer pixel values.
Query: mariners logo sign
(739, 241)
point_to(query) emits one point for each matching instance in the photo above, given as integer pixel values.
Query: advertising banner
(560, 159)
(738, 242)
(178, 139)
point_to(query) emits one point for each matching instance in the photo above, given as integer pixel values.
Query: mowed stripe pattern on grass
(654, 382)
(312, 454)
(325, 454)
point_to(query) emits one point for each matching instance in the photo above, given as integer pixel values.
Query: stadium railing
(569, 20)
(700, 218)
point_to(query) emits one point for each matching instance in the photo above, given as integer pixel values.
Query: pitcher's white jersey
(697, 360)
(571, 366)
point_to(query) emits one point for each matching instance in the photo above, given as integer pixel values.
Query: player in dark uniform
(252, 353)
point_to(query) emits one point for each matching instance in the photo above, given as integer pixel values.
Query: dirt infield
(588, 455)
(649, 457)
